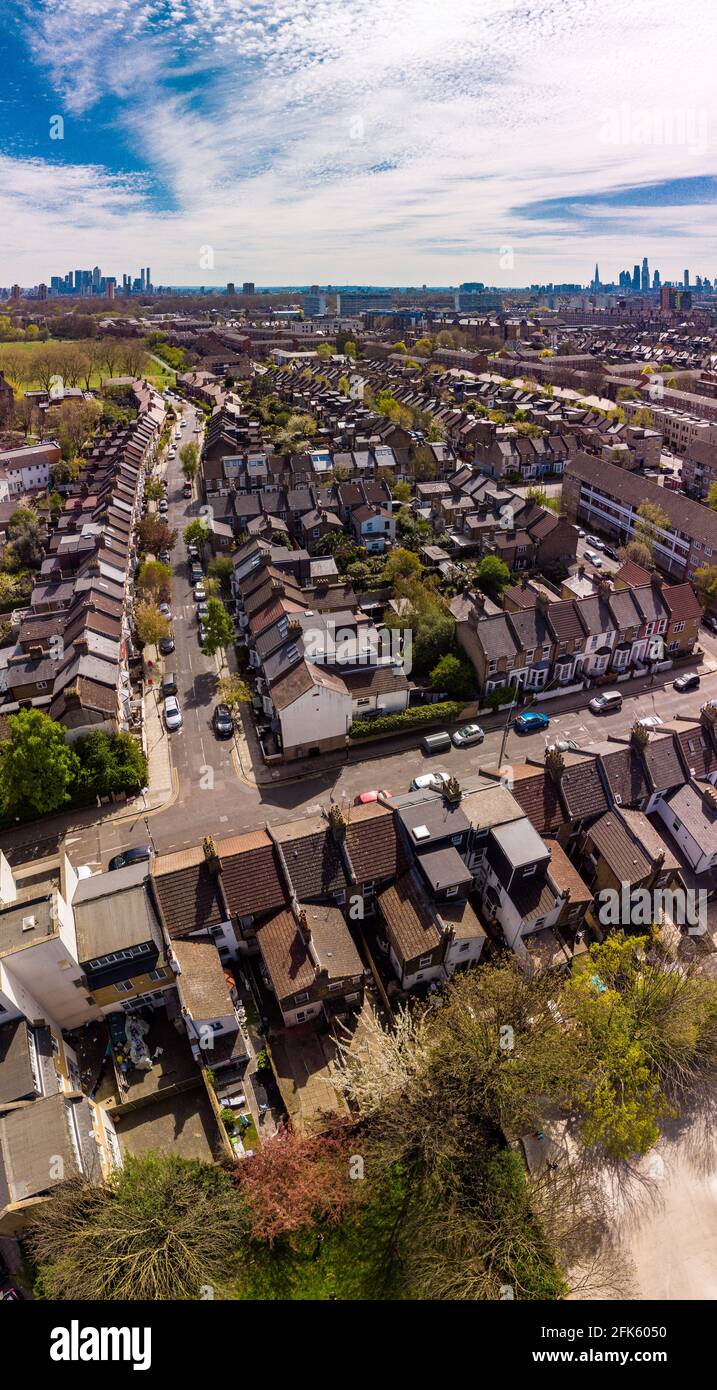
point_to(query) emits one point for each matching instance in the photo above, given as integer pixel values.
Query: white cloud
(370, 141)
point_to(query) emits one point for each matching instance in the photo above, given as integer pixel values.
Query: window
(124, 986)
(335, 984)
(529, 870)
(302, 998)
(156, 974)
(451, 892)
(465, 946)
(424, 961)
(679, 627)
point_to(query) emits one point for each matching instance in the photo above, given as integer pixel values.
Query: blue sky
(357, 140)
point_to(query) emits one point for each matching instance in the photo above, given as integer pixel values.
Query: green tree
(221, 568)
(638, 553)
(455, 676)
(151, 625)
(324, 351)
(705, 582)
(25, 540)
(401, 564)
(423, 347)
(189, 459)
(644, 418)
(651, 521)
(402, 492)
(712, 497)
(350, 349)
(110, 763)
(344, 385)
(233, 691)
(219, 628)
(153, 490)
(492, 576)
(164, 1227)
(155, 581)
(38, 768)
(196, 532)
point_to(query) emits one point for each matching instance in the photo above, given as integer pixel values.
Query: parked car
(169, 684)
(202, 634)
(606, 703)
(566, 745)
(611, 552)
(595, 542)
(166, 645)
(199, 591)
(530, 721)
(430, 781)
(367, 798)
(223, 722)
(709, 621)
(650, 721)
(202, 610)
(165, 557)
(139, 855)
(581, 535)
(172, 453)
(468, 735)
(187, 490)
(172, 713)
(593, 558)
(192, 552)
(687, 682)
(163, 506)
(166, 611)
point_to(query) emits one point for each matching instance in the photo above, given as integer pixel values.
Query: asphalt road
(214, 800)
(233, 806)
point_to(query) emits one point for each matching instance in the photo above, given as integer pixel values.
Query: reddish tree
(299, 1180)
(155, 535)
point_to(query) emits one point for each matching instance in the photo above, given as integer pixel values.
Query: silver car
(468, 735)
(172, 713)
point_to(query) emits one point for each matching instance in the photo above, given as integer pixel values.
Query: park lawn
(158, 372)
(353, 1261)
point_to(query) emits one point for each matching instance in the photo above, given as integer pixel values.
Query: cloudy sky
(357, 141)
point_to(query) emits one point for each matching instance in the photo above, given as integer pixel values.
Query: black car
(223, 722)
(166, 645)
(611, 553)
(131, 856)
(165, 557)
(710, 622)
(687, 682)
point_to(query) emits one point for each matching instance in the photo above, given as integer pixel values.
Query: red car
(365, 798)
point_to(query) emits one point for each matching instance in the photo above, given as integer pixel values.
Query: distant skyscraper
(636, 277)
(686, 279)
(248, 287)
(96, 277)
(645, 276)
(596, 278)
(656, 280)
(148, 279)
(230, 287)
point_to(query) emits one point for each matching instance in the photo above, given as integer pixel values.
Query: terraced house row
(622, 627)
(71, 646)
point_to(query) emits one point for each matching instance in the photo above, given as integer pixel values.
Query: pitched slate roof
(408, 918)
(624, 772)
(373, 844)
(251, 875)
(286, 955)
(313, 857)
(538, 797)
(188, 893)
(581, 787)
(662, 762)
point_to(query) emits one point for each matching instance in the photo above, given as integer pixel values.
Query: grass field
(157, 371)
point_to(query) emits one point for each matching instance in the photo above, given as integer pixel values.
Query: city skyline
(381, 152)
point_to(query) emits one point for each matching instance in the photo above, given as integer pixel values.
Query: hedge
(445, 711)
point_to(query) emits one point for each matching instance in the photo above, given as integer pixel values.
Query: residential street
(236, 805)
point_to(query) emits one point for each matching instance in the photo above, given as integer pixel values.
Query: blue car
(531, 721)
